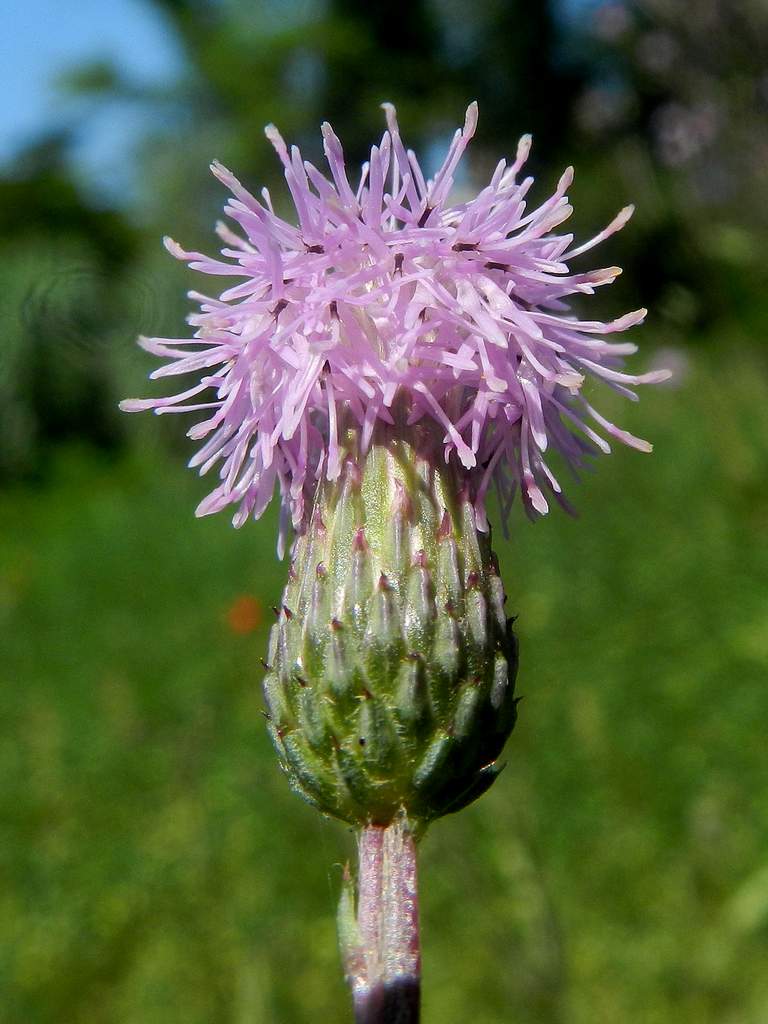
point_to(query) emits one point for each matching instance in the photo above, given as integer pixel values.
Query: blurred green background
(153, 865)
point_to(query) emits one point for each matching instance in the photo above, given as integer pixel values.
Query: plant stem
(381, 948)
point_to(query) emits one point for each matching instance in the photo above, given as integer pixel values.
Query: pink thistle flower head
(387, 295)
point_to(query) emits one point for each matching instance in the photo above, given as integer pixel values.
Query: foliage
(156, 867)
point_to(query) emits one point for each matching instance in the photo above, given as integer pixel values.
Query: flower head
(386, 296)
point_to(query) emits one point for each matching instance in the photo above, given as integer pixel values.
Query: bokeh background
(153, 865)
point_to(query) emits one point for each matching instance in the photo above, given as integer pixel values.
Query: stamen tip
(470, 118)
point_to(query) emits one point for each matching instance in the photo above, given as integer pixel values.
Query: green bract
(391, 668)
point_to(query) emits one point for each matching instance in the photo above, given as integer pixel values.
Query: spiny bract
(391, 670)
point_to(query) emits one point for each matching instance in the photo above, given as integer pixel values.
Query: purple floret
(386, 293)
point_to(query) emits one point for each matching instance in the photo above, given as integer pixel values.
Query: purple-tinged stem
(381, 947)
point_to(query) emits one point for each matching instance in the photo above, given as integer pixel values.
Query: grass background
(155, 868)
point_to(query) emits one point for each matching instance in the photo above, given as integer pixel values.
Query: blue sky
(41, 38)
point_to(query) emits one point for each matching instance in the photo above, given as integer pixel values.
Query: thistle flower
(383, 363)
(387, 292)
